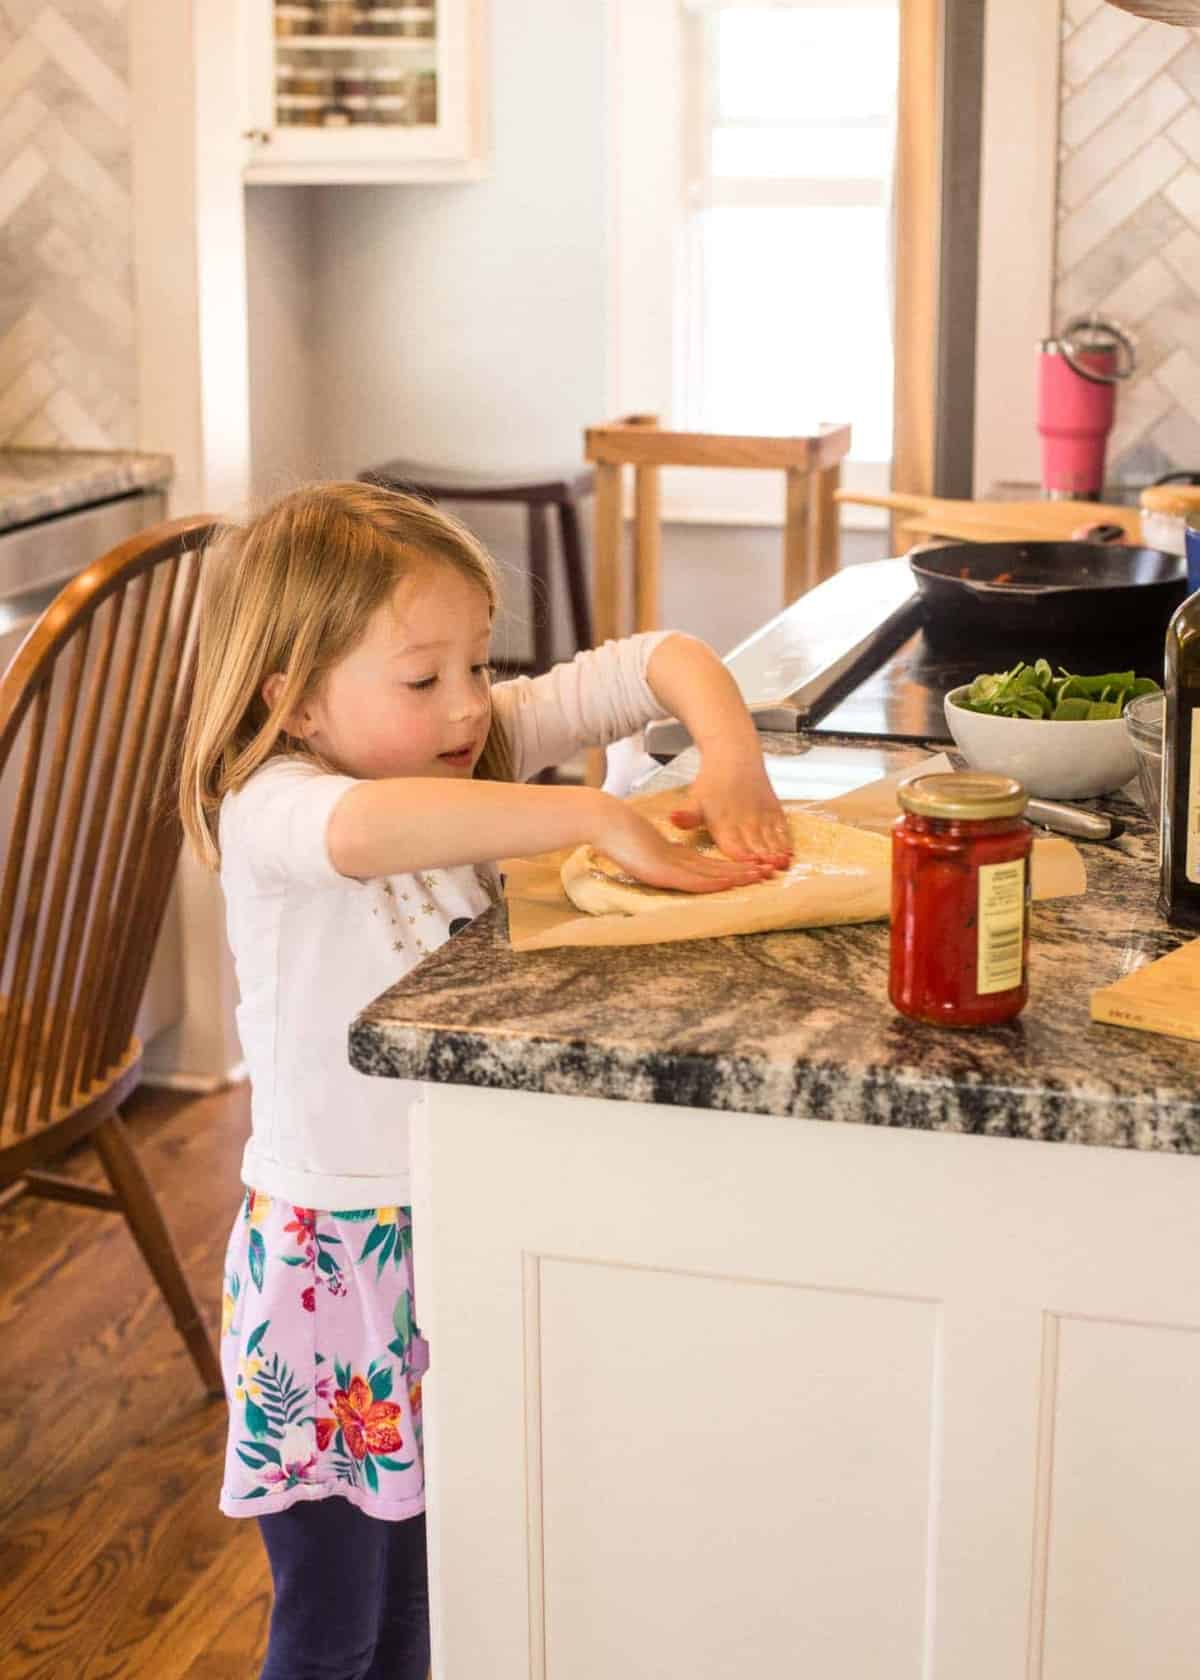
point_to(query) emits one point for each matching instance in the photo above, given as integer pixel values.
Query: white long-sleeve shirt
(313, 947)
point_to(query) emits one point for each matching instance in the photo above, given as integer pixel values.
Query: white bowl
(1065, 760)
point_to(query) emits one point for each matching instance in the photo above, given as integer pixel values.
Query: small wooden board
(995, 521)
(1162, 997)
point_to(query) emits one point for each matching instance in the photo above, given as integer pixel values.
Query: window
(752, 209)
(789, 112)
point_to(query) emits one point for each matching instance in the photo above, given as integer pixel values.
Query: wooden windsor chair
(92, 709)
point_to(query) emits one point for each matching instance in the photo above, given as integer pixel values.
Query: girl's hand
(731, 796)
(637, 846)
(734, 800)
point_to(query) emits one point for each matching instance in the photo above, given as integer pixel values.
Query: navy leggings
(351, 1594)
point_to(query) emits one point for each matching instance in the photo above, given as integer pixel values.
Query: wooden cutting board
(1162, 997)
(999, 521)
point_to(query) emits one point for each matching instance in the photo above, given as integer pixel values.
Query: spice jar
(352, 83)
(425, 96)
(309, 79)
(299, 111)
(416, 21)
(339, 17)
(385, 20)
(295, 20)
(960, 900)
(389, 82)
(391, 110)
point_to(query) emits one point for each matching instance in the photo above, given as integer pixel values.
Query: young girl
(353, 773)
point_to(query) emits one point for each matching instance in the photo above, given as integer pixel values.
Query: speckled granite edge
(38, 483)
(867, 1095)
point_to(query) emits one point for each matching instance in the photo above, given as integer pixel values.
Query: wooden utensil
(998, 521)
(1162, 997)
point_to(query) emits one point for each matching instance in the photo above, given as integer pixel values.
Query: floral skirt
(322, 1360)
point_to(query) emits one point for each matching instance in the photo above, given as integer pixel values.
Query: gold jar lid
(973, 795)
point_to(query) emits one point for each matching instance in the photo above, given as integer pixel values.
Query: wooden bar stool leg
(149, 1230)
(541, 604)
(572, 548)
(647, 551)
(606, 578)
(796, 568)
(606, 559)
(825, 530)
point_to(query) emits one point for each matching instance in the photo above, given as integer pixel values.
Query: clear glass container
(338, 17)
(295, 20)
(1179, 867)
(300, 110)
(1144, 718)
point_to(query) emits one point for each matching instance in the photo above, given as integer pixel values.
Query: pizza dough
(821, 848)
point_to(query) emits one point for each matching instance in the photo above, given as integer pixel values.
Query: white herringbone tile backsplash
(1129, 219)
(68, 366)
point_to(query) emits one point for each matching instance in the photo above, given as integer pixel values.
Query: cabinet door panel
(735, 1476)
(1124, 1537)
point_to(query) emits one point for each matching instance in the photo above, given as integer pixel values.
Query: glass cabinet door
(350, 89)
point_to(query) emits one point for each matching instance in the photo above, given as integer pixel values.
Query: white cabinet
(727, 1395)
(351, 90)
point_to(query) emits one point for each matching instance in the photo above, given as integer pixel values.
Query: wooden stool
(539, 495)
(811, 465)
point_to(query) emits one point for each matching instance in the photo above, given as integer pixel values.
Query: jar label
(1192, 861)
(1001, 926)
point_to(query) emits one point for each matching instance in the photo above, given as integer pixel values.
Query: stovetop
(853, 657)
(902, 698)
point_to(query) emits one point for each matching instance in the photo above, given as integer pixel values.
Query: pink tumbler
(1078, 374)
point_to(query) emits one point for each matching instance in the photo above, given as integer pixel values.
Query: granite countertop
(38, 483)
(799, 1023)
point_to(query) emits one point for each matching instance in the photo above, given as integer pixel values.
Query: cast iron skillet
(1065, 589)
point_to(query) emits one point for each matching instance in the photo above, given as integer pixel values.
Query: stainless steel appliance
(853, 658)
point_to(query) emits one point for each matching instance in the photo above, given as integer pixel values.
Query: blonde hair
(292, 591)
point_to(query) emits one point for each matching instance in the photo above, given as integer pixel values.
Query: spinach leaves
(1033, 691)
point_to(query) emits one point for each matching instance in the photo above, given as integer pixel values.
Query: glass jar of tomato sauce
(960, 900)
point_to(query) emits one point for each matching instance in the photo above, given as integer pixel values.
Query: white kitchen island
(774, 1336)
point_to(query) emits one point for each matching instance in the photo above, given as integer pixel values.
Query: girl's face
(413, 698)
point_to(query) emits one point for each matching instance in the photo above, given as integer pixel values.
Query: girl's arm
(599, 696)
(400, 824)
(731, 795)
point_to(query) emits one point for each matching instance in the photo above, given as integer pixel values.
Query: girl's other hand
(738, 806)
(637, 846)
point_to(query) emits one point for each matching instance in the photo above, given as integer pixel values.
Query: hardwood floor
(114, 1560)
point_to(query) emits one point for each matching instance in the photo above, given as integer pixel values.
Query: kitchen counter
(719, 1387)
(799, 1024)
(38, 483)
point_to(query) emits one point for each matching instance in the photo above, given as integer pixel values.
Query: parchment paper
(541, 916)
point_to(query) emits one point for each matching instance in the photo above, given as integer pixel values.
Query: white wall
(282, 307)
(468, 323)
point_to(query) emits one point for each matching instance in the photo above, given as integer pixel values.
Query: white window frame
(649, 209)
